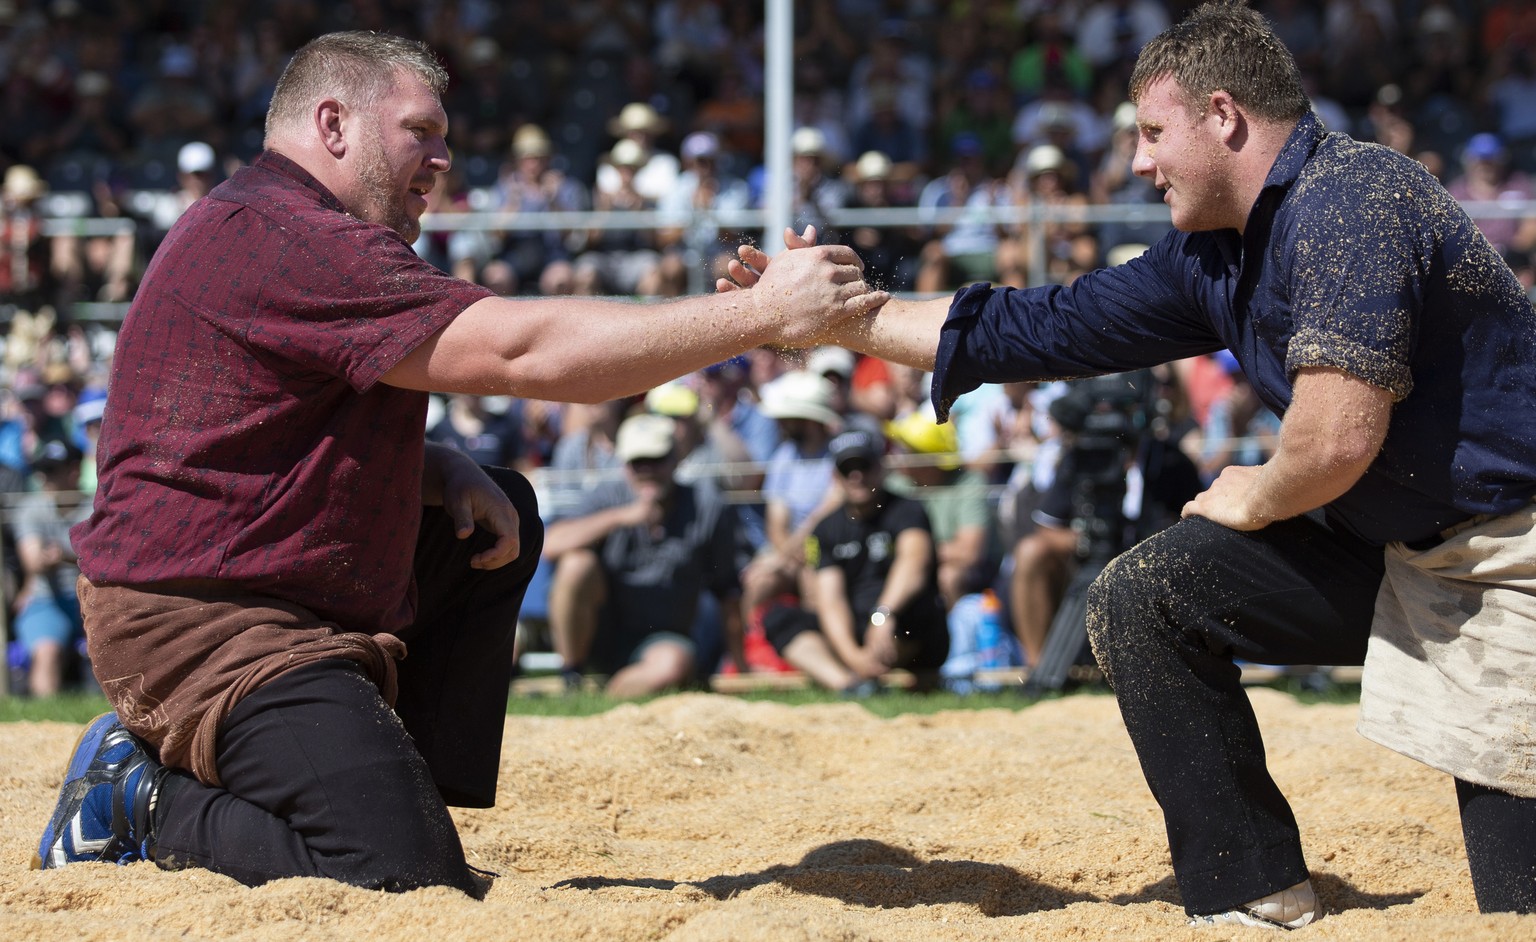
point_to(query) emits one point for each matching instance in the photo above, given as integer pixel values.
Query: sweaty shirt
(1353, 257)
(247, 438)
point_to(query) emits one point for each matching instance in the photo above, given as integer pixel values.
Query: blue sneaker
(105, 802)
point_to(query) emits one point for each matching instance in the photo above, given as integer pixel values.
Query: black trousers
(1168, 618)
(322, 778)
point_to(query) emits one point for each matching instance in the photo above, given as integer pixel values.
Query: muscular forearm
(1302, 477)
(634, 346)
(593, 351)
(1330, 435)
(1333, 431)
(900, 331)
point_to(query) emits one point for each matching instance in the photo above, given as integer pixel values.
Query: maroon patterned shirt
(247, 438)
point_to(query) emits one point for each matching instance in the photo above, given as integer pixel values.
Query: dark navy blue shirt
(1354, 257)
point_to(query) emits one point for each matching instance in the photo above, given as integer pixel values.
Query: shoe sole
(1253, 920)
(80, 759)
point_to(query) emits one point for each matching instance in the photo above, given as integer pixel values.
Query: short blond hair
(1225, 46)
(357, 67)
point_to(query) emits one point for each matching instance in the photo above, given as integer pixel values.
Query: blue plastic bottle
(992, 650)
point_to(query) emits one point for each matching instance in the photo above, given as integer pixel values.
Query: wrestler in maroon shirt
(271, 533)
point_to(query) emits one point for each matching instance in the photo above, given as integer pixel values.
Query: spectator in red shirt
(271, 530)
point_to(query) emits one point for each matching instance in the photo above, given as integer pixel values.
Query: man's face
(532, 166)
(1181, 152)
(401, 148)
(859, 477)
(198, 183)
(803, 432)
(651, 477)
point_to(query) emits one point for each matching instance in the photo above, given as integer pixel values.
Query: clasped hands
(804, 286)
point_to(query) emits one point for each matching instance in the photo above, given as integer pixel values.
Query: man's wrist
(880, 616)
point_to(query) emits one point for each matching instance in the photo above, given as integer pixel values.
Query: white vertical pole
(778, 112)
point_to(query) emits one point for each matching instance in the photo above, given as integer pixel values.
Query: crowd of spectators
(130, 109)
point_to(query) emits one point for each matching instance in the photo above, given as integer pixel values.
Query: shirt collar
(1283, 174)
(1299, 147)
(273, 162)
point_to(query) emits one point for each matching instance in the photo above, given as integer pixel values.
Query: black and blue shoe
(105, 804)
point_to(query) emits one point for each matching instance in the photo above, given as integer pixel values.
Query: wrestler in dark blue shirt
(1353, 258)
(1397, 509)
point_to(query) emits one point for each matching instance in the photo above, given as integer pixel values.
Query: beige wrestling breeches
(1450, 674)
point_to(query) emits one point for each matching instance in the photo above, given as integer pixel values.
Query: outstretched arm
(900, 331)
(581, 350)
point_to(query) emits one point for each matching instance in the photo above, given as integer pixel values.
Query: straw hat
(646, 435)
(530, 141)
(872, 165)
(1044, 158)
(808, 142)
(800, 395)
(22, 184)
(637, 116)
(627, 153)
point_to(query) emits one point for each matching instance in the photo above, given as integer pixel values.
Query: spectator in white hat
(816, 194)
(196, 174)
(631, 564)
(25, 277)
(694, 240)
(530, 182)
(1046, 176)
(797, 486)
(889, 252)
(657, 174)
(621, 261)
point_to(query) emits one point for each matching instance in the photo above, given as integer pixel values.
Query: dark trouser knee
(455, 679)
(320, 779)
(1167, 620)
(1128, 610)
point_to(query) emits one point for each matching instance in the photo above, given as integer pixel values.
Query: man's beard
(384, 205)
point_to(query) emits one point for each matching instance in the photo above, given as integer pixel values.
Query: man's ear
(330, 116)
(1222, 107)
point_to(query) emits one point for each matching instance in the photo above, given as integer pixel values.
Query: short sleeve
(365, 301)
(1357, 275)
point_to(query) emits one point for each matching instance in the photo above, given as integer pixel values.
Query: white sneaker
(1288, 909)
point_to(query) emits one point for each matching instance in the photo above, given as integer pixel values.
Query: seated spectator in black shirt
(876, 591)
(631, 563)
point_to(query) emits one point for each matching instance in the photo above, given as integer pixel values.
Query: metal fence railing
(1032, 220)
